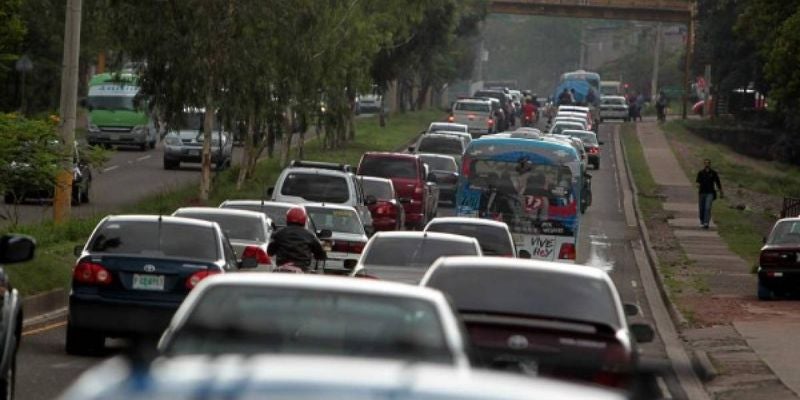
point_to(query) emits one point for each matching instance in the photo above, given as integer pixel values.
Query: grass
(52, 267)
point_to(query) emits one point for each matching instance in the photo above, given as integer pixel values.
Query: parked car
(22, 189)
(135, 270)
(184, 144)
(445, 168)
(778, 272)
(614, 107)
(322, 182)
(289, 314)
(417, 190)
(532, 315)
(348, 237)
(590, 144)
(436, 143)
(249, 232)
(405, 256)
(435, 127)
(13, 249)
(387, 211)
(477, 114)
(493, 236)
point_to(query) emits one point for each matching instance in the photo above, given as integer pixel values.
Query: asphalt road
(44, 370)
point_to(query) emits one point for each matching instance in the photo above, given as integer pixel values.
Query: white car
(614, 107)
(493, 236)
(476, 114)
(435, 127)
(561, 126)
(348, 237)
(305, 314)
(322, 182)
(465, 136)
(580, 120)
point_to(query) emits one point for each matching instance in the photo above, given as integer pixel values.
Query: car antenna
(159, 230)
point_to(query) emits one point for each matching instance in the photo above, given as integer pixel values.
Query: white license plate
(114, 136)
(194, 152)
(148, 282)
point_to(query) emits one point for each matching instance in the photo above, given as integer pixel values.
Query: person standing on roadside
(707, 183)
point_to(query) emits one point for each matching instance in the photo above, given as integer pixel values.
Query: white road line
(633, 283)
(665, 394)
(142, 158)
(111, 168)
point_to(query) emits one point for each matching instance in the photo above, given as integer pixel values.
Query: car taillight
(451, 118)
(256, 252)
(594, 150)
(418, 190)
(616, 367)
(91, 273)
(490, 122)
(769, 257)
(198, 276)
(465, 166)
(348, 247)
(384, 209)
(567, 251)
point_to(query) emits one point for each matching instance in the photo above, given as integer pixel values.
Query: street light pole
(68, 104)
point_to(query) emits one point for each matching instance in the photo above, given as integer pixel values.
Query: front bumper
(612, 114)
(190, 154)
(116, 137)
(119, 318)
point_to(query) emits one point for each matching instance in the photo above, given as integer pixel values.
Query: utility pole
(656, 63)
(582, 61)
(68, 104)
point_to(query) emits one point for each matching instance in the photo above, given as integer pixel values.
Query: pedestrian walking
(707, 183)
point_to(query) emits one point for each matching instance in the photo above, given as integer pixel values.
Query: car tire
(83, 341)
(765, 293)
(152, 145)
(169, 164)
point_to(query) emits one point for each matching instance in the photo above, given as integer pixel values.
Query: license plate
(114, 136)
(194, 152)
(326, 246)
(148, 282)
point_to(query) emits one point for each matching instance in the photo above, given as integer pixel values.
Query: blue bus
(533, 185)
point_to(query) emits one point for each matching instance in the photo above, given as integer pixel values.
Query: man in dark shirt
(707, 183)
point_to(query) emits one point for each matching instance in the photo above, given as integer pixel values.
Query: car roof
(386, 154)
(474, 100)
(386, 181)
(441, 135)
(316, 171)
(220, 211)
(421, 234)
(564, 132)
(163, 218)
(330, 206)
(435, 155)
(468, 221)
(551, 267)
(451, 124)
(451, 133)
(245, 202)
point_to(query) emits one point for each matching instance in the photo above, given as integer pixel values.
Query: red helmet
(296, 216)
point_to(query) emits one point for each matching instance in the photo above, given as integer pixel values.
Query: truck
(118, 115)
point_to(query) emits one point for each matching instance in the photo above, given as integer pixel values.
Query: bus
(533, 185)
(593, 78)
(116, 115)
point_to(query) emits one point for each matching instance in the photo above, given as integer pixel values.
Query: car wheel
(765, 293)
(143, 146)
(83, 341)
(169, 164)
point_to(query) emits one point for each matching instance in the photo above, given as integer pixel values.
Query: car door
(360, 204)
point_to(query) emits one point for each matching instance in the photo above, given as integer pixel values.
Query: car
(13, 249)
(579, 120)
(505, 104)
(347, 239)
(134, 272)
(387, 211)
(22, 190)
(534, 315)
(184, 144)
(590, 144)
(477, 114)
(249, 232)
(437, 143)
(293, 314)
(614, 107)
(415, 188)
(368, 103)
(277, 376)
(493, 236)
(274, 210)
(464, 136)
(778, 272)
(561, 126)
(435, 127)
(322, 182)
(445, 168)
(405, 256)
(589, 111)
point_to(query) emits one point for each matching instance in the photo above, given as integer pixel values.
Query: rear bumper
(119, 318)
(384, 223)
(414, 220)
(779, 280)
(594, 159)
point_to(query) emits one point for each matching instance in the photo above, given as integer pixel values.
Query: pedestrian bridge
(679, 11)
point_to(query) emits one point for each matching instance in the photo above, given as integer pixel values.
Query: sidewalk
(753, 357)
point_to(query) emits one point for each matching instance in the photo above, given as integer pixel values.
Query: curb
(702, 366)
(677, 316)
(44, 308)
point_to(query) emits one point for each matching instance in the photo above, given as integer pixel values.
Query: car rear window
(152, 238)
(316, 187)
(563, 126)
(414, 252)
(335, 219)
(381, 190)
(785, 232)
(276, 213)
(494, 241)
(440, 163)
(257, 319)
(476, 107)
(388, 167)
(527, 292)
(235, 226)
(441, 145)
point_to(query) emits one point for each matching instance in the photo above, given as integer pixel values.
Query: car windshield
(527, 292)
(387, 167)
(417, 252)
(613, 101)
(316, 187)
(277, 213)
(785, 232)
(337, 220)
(152, 238)
(470, 106)
(111, 103)
(494, 241)
(257, 319)
(237, 227)
(441, 145)
(440, 163)
(381, 190)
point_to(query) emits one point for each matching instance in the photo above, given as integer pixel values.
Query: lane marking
(45, 328)
(662, 385)
(142, 158)
(111, 168)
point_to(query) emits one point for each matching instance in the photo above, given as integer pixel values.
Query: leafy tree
(12, 30)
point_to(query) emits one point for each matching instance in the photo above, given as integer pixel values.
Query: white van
(476, 114)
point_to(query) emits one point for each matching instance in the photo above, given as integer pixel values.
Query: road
(607, 241)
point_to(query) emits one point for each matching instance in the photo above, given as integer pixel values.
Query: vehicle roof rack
(321, 165)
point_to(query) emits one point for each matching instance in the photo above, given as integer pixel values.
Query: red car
(387, 211)
(417, 192)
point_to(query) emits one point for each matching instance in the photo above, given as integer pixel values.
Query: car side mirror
(642, 333)
(324, 234)
(631, 310)
(370, 200)
(349, 264)
(404, 200)
(248, 263)
(77, 250)
(431, 178)
(524, 254)
(16, 248)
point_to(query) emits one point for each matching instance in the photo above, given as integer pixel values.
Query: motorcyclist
(294, 243)
(528, 112)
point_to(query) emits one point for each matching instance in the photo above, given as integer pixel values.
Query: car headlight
(140, 129)
(172, 141)
(93, 128)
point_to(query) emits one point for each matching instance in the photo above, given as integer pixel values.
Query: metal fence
(791, 207)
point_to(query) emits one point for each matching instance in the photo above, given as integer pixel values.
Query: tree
(12, 30)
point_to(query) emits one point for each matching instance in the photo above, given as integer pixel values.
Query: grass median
(52, 267)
